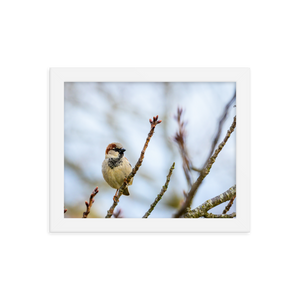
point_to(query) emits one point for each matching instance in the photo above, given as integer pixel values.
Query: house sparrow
(116, 167)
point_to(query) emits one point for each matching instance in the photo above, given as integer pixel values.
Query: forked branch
(90, 203)
(201, 211)
(204, 172)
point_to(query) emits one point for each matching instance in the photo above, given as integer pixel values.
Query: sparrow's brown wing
(128, 162)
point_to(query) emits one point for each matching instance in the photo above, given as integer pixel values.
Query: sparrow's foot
(115, 197)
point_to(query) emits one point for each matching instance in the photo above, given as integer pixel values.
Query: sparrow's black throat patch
(115, 162)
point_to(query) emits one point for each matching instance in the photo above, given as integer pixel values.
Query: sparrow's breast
(114, 171)
(115, 162)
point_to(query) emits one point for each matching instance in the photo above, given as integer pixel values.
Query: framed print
(149, 150)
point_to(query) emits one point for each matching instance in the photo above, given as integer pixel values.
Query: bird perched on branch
(116, 167)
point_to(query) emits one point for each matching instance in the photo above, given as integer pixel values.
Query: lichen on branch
(204, 172)
(201, 211)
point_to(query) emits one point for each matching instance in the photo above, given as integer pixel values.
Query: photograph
(150, 150)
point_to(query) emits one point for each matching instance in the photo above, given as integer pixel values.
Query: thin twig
(202, 210)
(153, 123)
(180, 139)
(118, 213)
(204, 172)
(219, 148)
(221, 122)
(159, 196)
(89, 205)
(228, 205)
(196, 169)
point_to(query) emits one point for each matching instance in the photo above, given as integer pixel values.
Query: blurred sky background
(97, 114)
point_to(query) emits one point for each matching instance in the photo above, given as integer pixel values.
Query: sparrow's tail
(126, 192)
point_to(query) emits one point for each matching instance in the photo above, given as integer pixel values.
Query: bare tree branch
(89, 205)
(221, 122)
(208, 215)
(210, 160)
(201, 210)
(204, 172)
(180, 138)
(153, 123)
(220, 147)
(159, 196)
(110, 212)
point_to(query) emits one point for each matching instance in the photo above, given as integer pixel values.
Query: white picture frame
(59, 74)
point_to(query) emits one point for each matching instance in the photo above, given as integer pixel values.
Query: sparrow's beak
(122, 150)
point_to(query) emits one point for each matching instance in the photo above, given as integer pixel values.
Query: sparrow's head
(114, 150)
